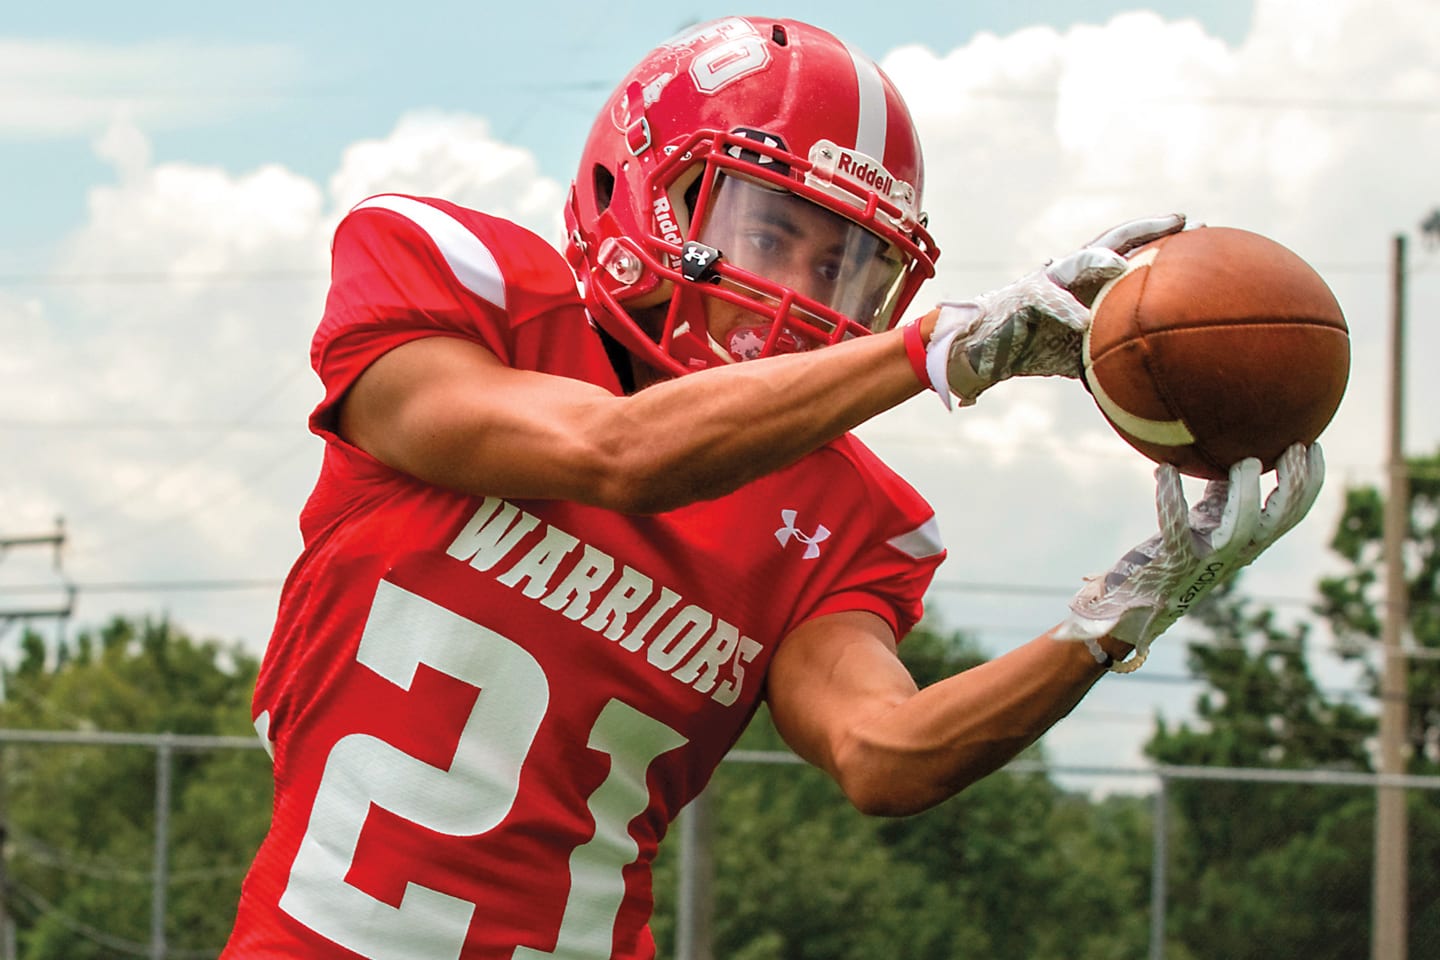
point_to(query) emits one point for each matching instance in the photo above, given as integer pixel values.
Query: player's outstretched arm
(447, 411)
(842, 699)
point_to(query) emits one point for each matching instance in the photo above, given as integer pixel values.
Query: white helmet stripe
(471, 261)
(870, 131)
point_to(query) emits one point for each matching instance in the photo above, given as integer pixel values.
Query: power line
(176, 472)
(38, 851)
(1138, 98)
(142, 424)
(220, 585)
(246, 584)
(263, 276)
(95, 935)
(149, 277)
(251, 583)
(1245, 101)
(243, 485)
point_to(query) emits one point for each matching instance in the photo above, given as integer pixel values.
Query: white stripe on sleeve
(472, 262)
(923, 541)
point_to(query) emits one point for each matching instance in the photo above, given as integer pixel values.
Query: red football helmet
(752, 181)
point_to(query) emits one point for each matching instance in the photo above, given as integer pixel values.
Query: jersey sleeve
(403, 268)
(889, 574)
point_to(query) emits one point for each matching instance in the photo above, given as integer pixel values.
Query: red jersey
(484, 713)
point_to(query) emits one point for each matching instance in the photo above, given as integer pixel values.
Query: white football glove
(1032, 327)
(1197, 549)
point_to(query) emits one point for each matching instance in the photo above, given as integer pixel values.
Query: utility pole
(60, 611)
(22, 615)
(1388, 939)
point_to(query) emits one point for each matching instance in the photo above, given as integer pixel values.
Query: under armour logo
(697, 261)
(788, 532)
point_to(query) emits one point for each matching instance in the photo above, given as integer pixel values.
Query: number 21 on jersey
(470, 797)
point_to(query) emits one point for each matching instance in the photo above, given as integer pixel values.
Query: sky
(169, 178)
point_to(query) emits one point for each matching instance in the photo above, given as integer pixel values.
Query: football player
(565, 541)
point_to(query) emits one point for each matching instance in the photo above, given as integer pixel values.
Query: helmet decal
(870, 129)
(742, 152)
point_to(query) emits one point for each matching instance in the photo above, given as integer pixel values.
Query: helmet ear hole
(604, 182)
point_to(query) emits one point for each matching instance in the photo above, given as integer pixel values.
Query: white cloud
(454, 156)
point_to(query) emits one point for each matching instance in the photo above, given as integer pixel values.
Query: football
(1216, 344)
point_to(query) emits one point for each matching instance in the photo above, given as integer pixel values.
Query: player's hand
(1032, 327)
(1197, 549)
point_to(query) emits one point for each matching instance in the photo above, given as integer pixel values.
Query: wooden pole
(1391, 913)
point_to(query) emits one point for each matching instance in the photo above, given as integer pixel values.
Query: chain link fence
(1225, 797)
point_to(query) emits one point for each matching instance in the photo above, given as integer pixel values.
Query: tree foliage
(81, 820)
(1353, 601)
(1254, 860)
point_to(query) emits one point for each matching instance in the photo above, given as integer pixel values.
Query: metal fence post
(1158, 872)
(693, 933)
(160, 880)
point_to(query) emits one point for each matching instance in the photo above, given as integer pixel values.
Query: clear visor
(803, 247)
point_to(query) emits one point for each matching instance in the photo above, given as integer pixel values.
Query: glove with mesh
(1197, 549)
(1032, 327)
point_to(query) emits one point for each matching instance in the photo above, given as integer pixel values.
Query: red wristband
(915, 353)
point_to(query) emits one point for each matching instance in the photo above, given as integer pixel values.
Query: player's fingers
(1289, 476)
(1206, 513)
(1059, 304)
(1136, 233)
(1172, 511)
(1091, 266)
(1305, 476)
(1242, 507)
(1299, 477)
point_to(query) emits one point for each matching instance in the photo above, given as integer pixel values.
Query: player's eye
(764, 242)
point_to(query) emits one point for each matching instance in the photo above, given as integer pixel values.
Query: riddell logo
(865, 171)
(665, 220)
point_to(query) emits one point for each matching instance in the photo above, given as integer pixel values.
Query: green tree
(1353, 600)
(1261, 866)
(81, 819)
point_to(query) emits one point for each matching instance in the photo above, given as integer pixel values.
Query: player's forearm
(707, 434)
(448, 412)
(957, 731)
